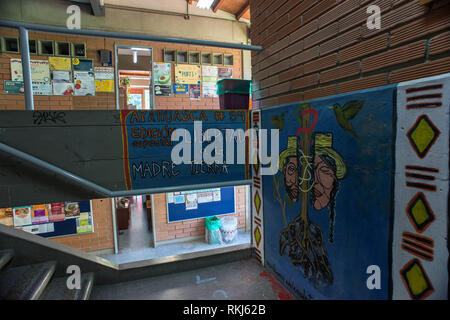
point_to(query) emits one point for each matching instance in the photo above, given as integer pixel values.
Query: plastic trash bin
(213, 233)
(229, 228)
(234, 93)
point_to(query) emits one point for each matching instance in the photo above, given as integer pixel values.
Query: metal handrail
(69, 177)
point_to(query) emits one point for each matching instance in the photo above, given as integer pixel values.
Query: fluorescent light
(204, 4)
(134, 56)
(140, 49)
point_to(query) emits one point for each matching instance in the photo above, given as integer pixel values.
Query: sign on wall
(40, 71)
(104, 79)
(148, 148)
(187, 74)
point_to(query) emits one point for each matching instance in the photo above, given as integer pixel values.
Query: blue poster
(180, 88)
(147, 148)
(327, 211)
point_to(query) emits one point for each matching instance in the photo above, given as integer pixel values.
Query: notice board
(203, 203)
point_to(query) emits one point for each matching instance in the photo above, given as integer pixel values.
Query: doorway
(134, 85)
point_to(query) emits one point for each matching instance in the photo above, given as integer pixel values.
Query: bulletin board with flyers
(51, 220)
(194, 204)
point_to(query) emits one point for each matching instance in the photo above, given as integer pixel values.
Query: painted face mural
(311, 171)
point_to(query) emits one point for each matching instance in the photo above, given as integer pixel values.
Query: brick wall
(314, 48)
(170, 231)
(102, 100)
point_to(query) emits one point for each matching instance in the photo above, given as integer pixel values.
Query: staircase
(35, 268)
(37, 281)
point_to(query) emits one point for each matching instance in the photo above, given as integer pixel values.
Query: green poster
(13, 87)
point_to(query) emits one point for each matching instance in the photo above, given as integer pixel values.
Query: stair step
(25, 282)
(5, 257)
(57, 289)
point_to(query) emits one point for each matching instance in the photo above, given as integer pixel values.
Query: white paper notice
(191, 201)
(205, 197)
(170, 197)
(42, 88)
(62, 76)
(216, 195)
(84, 83)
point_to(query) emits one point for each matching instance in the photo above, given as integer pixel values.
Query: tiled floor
(244, 279)
(135, 244)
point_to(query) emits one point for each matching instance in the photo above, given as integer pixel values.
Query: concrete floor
(241, 280)
(135, 244)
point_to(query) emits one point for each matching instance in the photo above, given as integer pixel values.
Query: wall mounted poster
(62, 75)
(104, 79)
(194, 91)
(180, 88)
(187, 74)
(22, 216)
(13, 87)
(58, 63)
(63, 88)
(225, 73)
(84, 83)
(162, 73)
(161, 90)
(40, 71)
(82, 64)
(42, 88)
(209, 81)
(17, 87)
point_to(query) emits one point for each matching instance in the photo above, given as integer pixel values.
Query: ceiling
(225, 9)
(239, 8)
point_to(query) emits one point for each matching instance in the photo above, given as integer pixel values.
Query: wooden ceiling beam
(218, 5)
(243, 10)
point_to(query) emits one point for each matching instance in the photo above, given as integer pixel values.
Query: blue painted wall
(363, 201)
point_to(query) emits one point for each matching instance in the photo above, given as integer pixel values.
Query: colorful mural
(338, 203)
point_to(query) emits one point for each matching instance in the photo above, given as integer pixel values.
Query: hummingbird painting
(346, 113)
(278, 121)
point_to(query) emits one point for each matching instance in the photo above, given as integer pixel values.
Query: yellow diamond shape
(257, 235)
(423, 135)
(257, 201)
(416, 280)
(419, 212)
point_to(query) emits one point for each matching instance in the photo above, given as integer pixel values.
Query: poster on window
(187, 74)
(40, 71)
(194, 91)
(162, 73)
(84, 83)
